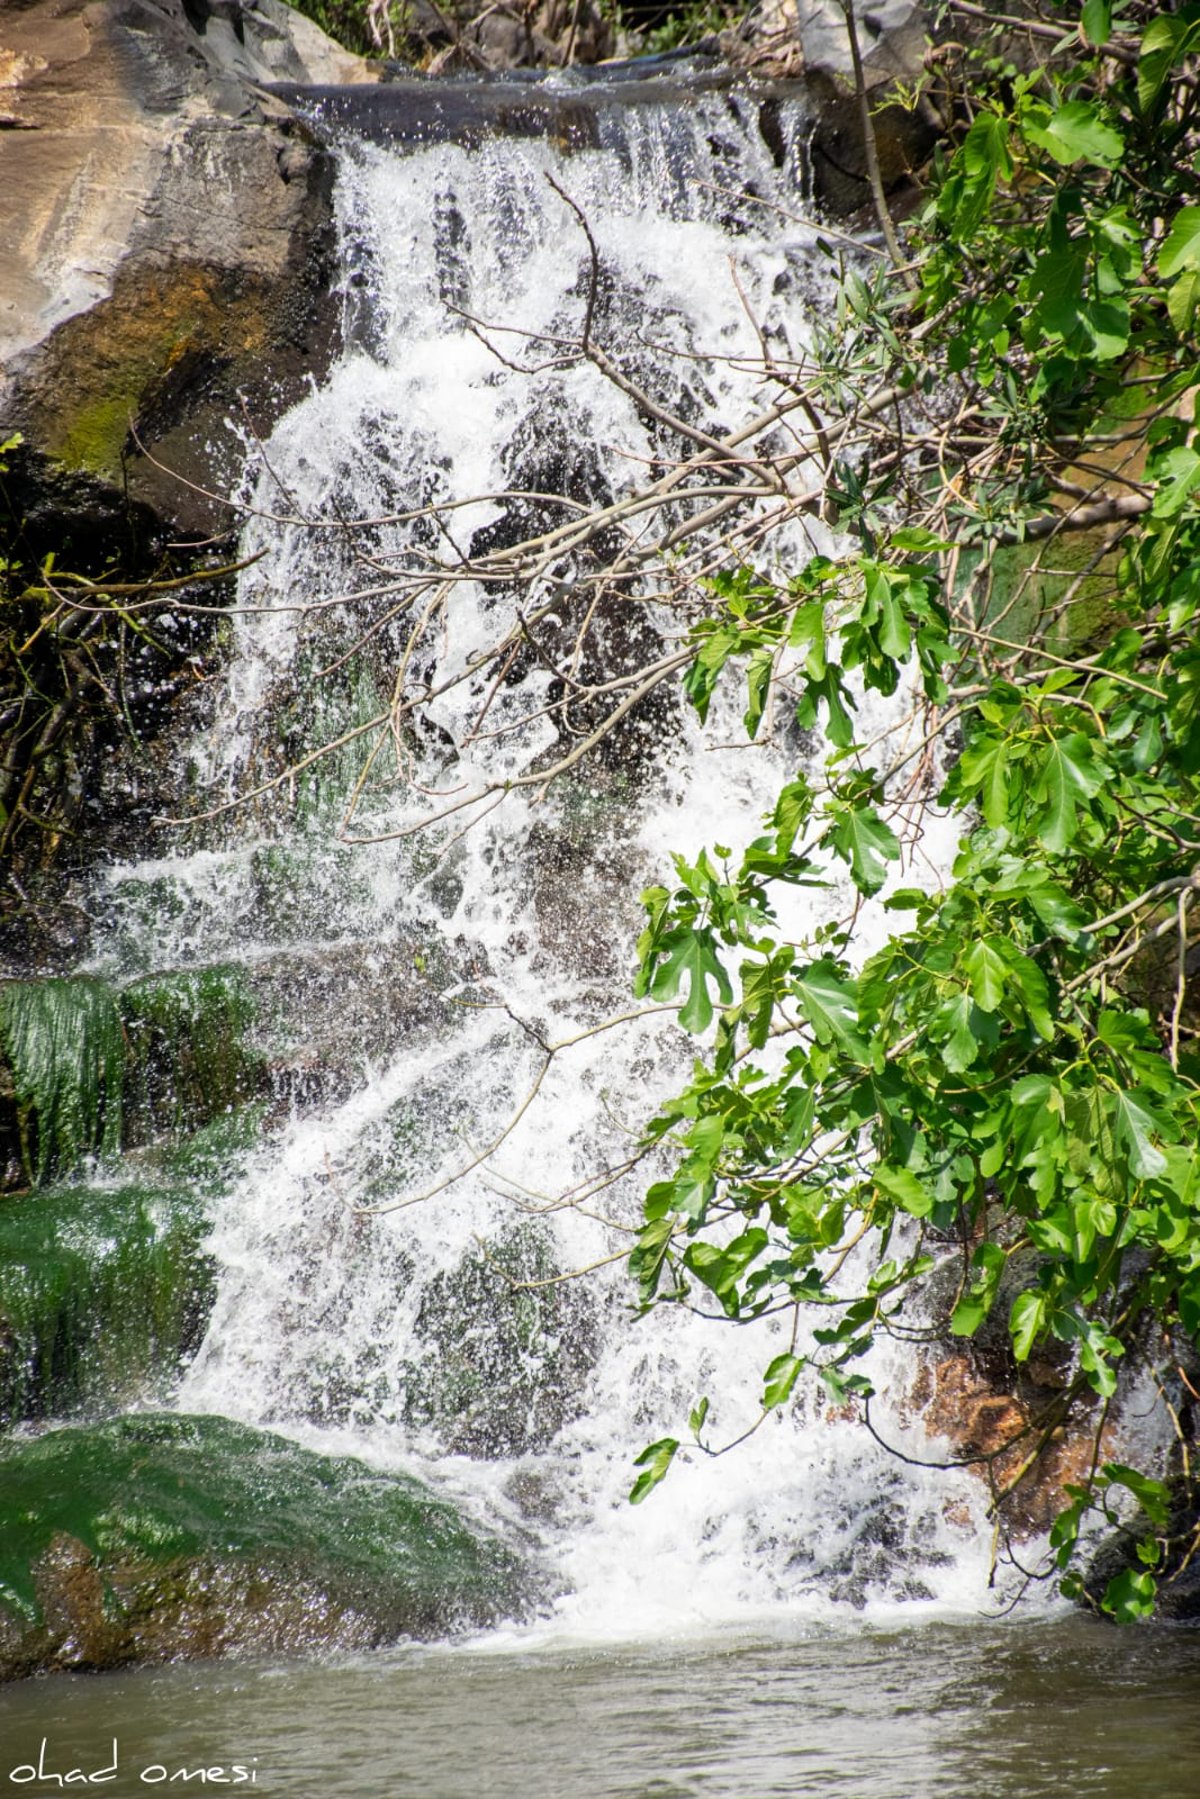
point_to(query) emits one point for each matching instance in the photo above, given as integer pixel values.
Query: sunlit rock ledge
(169, 236)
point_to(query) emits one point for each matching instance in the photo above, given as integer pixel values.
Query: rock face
(102, 1293)
(1178, 1570)
(165, 1538)
(167, 232)
(504, 1365)
(891, 38)
(992, 1411)
(166, 220)
(168, 248)
(809, 40)
(997, 1416)
(554, 34)
(892, 42)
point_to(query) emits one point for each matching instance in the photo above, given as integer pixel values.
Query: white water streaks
(390, 1258)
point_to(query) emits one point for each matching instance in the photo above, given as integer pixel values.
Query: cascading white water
(354, 1249)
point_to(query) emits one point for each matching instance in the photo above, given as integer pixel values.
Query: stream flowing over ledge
(333, 1094)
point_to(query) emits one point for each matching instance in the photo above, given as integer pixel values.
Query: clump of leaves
(992, 1077)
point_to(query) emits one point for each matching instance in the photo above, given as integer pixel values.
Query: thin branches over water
(838, 435)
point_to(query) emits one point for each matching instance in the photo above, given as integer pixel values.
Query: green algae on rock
(187, 1060)
(64, 1044)
(160, 1537)
(103, 1292)
(93, 1068)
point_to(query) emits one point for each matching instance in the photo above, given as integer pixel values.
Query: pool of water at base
(1069, 1708)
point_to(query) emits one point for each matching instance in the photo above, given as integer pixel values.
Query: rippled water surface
(1014, 1711)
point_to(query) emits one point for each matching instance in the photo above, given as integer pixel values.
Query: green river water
(1022, 1710)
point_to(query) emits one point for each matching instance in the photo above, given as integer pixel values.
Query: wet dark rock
(891, 38)
(882, 1556)
(585, 114)
(165, 1538)
(413, 111)
(537, 1494)
(508, 1349)
(103, 1293)
(91, 706)
(327, 1011)
(187, 1058)
(1178, 1571)
(873, 1549)
(806, 42)
(168, 251)
(585, 876)
(904, 139)
(972, 1393)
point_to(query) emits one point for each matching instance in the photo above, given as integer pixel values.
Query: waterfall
(388, 1256)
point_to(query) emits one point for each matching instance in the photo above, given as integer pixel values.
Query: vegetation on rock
(188, 1060)
(94, 1068)
(102, 1292)
(416, 31)
(160, 1537)
(63, 1042)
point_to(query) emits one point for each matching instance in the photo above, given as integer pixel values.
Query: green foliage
(678, 26)
(360, 27)
(1014, 1070)
(654, 1462)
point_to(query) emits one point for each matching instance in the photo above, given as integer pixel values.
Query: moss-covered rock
(1063, 587)
(508, 1349)
(161, 1538)
(192, 237)
(103, 1293)
(90, 1069)
(63, 1044)
(187, 1057)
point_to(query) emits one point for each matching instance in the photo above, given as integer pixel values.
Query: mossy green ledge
(104, 1292)
(161, 1537)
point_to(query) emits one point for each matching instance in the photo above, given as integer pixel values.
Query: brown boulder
(980, 1414)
